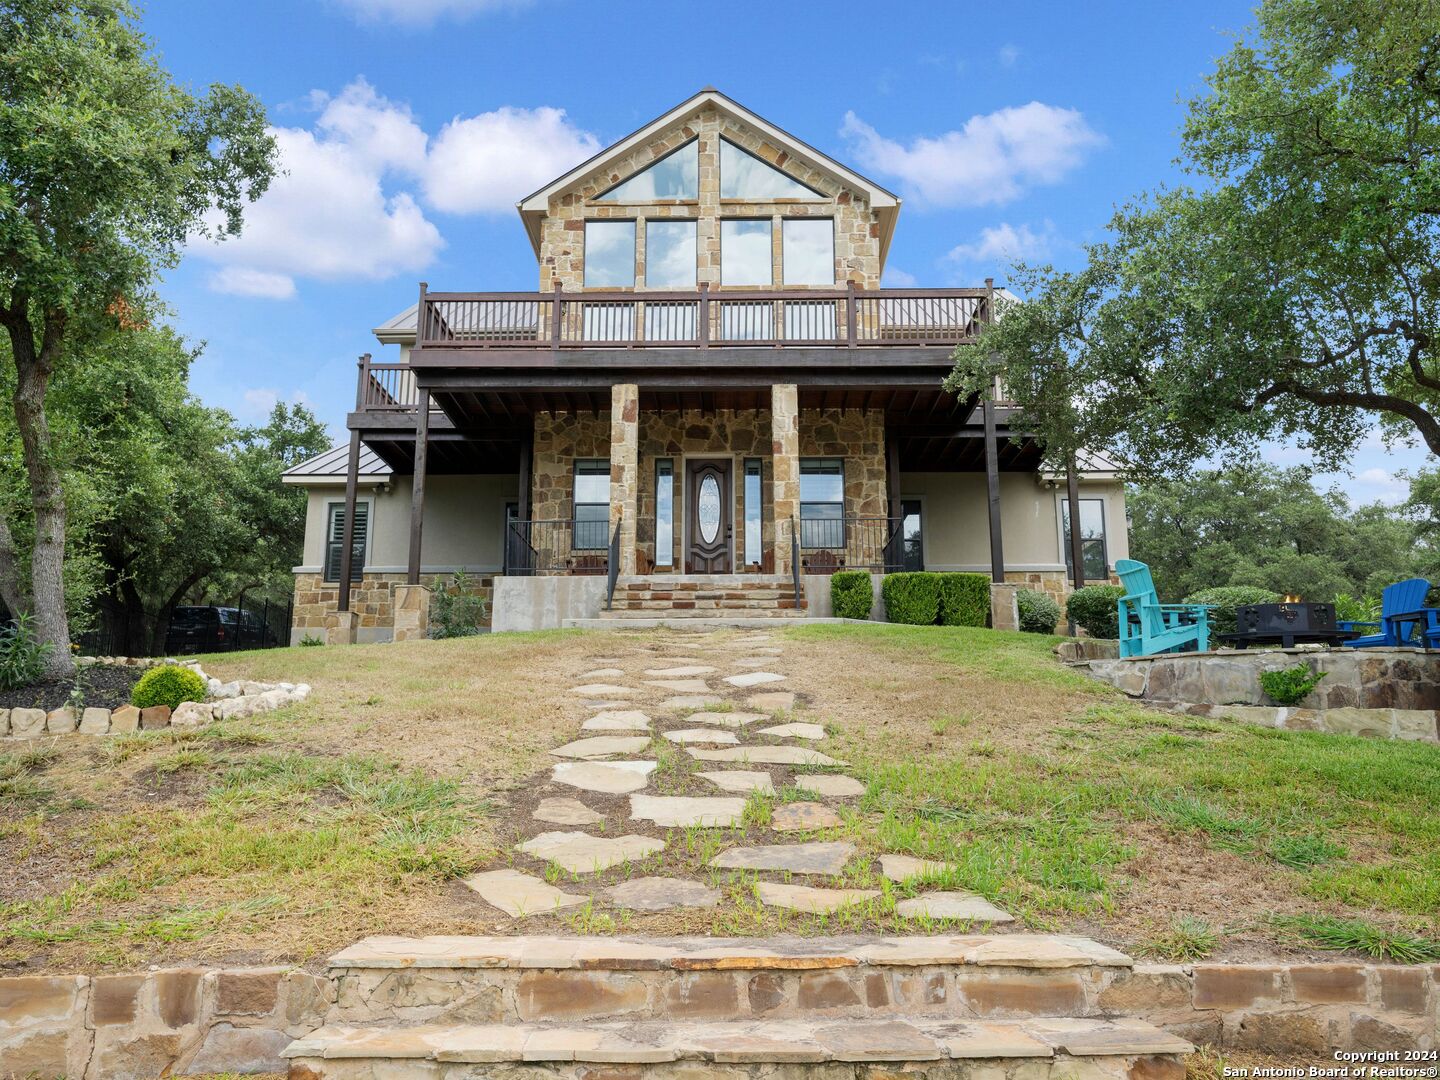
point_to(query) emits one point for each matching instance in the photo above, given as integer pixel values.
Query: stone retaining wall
(189, 1021)
(372, 600)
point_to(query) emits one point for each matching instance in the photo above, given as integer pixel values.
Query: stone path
(670, 742)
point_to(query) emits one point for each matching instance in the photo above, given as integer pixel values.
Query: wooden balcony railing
(701, 318)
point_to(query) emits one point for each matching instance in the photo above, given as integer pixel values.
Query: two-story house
(710, 388)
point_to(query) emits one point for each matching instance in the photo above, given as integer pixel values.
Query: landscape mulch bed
(102, 686)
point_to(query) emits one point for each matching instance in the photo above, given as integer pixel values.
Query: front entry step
(651, 597)
(1038, 1049)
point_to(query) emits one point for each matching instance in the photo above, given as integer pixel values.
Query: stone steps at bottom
(830, 1048)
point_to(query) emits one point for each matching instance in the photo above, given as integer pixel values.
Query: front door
(708, 525)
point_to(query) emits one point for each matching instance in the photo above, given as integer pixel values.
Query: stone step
(633, 604)
(698, 622)
(671, 612)
(1027, 1050)
(405, 981)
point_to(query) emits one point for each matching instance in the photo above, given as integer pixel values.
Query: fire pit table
(1288, 623)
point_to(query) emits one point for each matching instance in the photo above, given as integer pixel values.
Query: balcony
(704, 318)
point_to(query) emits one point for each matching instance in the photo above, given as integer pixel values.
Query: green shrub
(913, 598)
(456, 611)
(1289, 686)
(22, 657)
(851, 594)
(1038, 611)
(1356, 608)
(168, 684)
(310, 641)
(1226, 598)
(1094, 611)
(964, 599)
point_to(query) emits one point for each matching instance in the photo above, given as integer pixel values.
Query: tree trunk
(47, 497)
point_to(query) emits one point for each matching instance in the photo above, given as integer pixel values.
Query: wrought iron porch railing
(557, 546)
(877, 544)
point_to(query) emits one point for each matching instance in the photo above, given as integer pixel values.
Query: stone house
(710, 387)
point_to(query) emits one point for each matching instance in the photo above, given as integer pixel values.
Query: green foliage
(1094, 610)
(1329, 932)
(1304, 852)
(1290, 294)
(310, 641)
(851, 594)
(1187, 938)
(1267, 527)
(1038, 611)
(1290, 686)
(22, 655)
(167, 684)
(911, 598)
(1226, 599)
(964, 599)
(1357, 608)
(456, 610)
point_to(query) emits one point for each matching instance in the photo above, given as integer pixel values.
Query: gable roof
(886, 204)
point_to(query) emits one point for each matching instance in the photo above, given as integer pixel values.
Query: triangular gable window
(745, 176)
(675, 176)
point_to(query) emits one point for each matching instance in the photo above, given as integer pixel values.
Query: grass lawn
(287, 836)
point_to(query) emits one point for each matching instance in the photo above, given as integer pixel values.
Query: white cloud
(243, 281)
(421, 13)
(1007, 55)
(895, 278)
(486, 163)
(340, 209)
(1380, 485)
(993, 159)
(1005, 243)
(257, 402)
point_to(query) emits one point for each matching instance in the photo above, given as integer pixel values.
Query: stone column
(340, 627)
(1004, 606)
(411, 608)
(785, 449)
(625, 468)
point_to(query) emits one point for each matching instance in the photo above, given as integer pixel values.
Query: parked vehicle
(211, 629)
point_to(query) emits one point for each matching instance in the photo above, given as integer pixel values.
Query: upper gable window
(745, 176)
(610, 253)
(674, 176)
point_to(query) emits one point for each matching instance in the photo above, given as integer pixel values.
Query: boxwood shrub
(912, 598)
(964, 599)
(851, 594)
(1226, 599)
(1093, 609)
(169, 684)
(1038, 611)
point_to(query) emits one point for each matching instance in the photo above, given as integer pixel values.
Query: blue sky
(410, 127)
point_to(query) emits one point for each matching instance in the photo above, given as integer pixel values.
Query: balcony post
(1077, 542)
(417, 488)
(362, 384)
(420, 318)
(702, 317)
(347, 541)
(895, 550)
(785, 467)
(625, 468)
(852, 312)
(992, 484)
(556, 317)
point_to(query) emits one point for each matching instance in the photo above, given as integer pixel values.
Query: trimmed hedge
(1226, 599)
(851, 594)
(1038, 611)
(964, 599)
(169, 684)
(912, 598)
(1094, 610)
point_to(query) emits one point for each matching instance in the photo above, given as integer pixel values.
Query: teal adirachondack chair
(1404, 619)
(1148, 626)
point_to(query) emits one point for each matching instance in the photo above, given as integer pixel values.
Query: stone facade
(785, 455)
(858, 436)
(372, 603)
(562, 238)
(560, 438)
(624, 468)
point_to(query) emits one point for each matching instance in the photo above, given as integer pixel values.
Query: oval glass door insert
(708, 508)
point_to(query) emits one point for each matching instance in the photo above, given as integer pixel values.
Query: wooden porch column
(992, 483)
(417, 488)
(894, 551)
(527, 451)
(785, 468)
(1077, 546)
(625, 469)
(347, 542)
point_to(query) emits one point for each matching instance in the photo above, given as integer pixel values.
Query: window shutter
(337, 541)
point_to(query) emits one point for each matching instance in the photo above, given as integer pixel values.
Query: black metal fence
(852, 543)
(203, 629)
(558, 546)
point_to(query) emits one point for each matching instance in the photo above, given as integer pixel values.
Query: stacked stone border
(231, 700)
(186, 1021)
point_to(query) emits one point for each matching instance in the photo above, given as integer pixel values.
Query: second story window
(669, 254)
(808, 251)
(745, 257)
(745, 176)
(674, 176)
(610, 254)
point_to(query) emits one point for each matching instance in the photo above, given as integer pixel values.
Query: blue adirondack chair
(1404, 619)
(1148, 626)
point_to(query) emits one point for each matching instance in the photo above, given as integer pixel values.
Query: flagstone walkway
(693, 782)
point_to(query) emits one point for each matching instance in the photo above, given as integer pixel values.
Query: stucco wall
(956, 521)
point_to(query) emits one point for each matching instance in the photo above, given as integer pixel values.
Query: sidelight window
(753, 511)
(664, 512)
